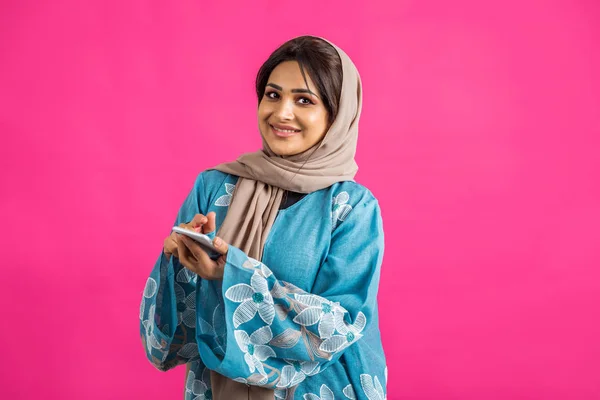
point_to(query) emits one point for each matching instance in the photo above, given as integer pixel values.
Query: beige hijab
(265, 176)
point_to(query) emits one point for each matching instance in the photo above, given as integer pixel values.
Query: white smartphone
(204, 241)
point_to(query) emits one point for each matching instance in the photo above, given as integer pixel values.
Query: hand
(191, 255)
(200, 223)
(197, 260)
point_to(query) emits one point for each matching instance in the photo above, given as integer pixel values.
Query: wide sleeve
(168, 307)
(278, 334)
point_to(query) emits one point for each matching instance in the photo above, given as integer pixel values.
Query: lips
(284, 130)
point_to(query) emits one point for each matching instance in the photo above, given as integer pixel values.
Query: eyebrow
(293, 90)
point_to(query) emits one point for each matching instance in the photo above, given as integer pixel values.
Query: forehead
(288, 76)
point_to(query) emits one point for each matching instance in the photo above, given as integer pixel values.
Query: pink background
(480, 137)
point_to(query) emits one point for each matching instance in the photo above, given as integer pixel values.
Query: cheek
(263, 112)
(317, 123)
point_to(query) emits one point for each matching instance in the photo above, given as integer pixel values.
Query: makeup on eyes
(299, 90)
(268, 94)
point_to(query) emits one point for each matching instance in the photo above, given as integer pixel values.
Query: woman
(289, 310)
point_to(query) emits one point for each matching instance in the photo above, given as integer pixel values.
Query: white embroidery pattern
(255, 379)
(334, 333)
(253, 298)
(318, 310)
(151, 339)
(348, 333)
(253, 264)
(281, 394)
(349, 392)
(326, 394)
(186, 306)
(217, 330)
(296, 372)
(225, 200)
(341, 209)
(186, 276)
(372, 388)
(200, 388)
(149, 291)
(254, 347)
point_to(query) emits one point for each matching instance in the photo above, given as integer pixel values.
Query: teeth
(285, 130)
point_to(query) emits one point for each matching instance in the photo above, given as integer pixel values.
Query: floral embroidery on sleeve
(149, 292)
(225, 200)
(348, 334)
(150, 340)
(328, 333)
(218, 329)
(349, 392)
(325, 394)
(341, 209)
(284, 394)
(255, 348)
(256, 379)
(200, 389)
(186, 306)
(296, 372)
(318, 310)
(372, 388)
(186, 276)
(252, 264)
(254, 298)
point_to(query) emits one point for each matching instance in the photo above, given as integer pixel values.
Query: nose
(285, 110)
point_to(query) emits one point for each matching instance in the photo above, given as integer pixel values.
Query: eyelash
(268, 95)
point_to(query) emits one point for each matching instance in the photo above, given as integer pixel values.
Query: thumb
(220, 245)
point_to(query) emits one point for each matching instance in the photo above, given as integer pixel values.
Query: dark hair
(315, 56)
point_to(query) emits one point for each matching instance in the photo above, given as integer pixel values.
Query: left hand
(197, 260)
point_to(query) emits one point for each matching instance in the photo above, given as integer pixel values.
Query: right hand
(200, 223)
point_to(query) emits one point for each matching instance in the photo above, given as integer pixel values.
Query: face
(291, 118)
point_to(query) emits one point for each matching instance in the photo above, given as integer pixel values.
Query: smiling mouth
(284, 132)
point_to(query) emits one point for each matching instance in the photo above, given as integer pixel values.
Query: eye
(272, 95)
(305, 101)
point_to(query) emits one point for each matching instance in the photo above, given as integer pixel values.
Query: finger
(186, 258)
(190, 245)
(188, 227)
(169, 245)
(210, 223)
(221, 261)
(196, 250)
(203, 265)
(198, 221)
(220, 245)
(209, 269)
(175, 237)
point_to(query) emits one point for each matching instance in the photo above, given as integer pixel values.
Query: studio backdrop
(479, 136)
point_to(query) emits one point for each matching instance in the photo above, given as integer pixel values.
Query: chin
(283, 150)
(282, 147)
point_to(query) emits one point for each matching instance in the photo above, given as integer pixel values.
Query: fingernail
(217, 241)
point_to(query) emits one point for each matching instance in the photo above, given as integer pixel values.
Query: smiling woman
(292, 104)
(289, 309)
(291, 120)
